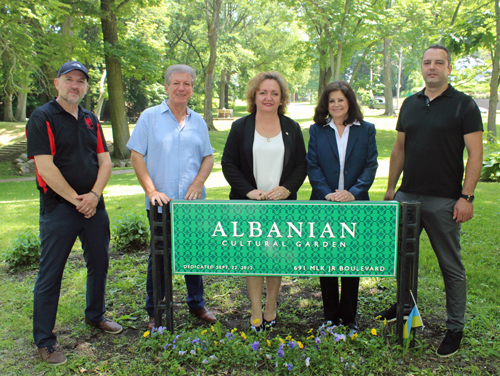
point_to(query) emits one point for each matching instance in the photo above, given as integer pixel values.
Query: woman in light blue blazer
(341, 165)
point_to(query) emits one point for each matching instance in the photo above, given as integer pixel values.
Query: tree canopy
(376, 45)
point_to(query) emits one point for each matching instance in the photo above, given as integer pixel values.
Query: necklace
(272, 131)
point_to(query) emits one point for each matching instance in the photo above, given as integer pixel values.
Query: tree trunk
(222, 90)
(8, 64)
(119, 125)
(100, 100)
(21, 104)
(400, 69)
(389, 106)
(341, 41)
(213, 29)
(495, 57)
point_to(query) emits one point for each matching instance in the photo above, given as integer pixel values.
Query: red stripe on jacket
(41, 182)
(100, 146)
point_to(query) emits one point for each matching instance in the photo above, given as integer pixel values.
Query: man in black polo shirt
(73, 167)
(434, 127)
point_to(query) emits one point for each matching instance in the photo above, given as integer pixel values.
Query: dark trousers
(194, 285)
(345, 308)
(59, 229)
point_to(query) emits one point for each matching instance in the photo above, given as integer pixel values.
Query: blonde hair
(253, 86)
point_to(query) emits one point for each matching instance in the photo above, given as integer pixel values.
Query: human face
(268, 96)
(180, 89)
(71, 87)
(435, 68)
(338, 106)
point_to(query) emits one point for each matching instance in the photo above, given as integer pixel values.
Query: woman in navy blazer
(341, 165)
(264, 159)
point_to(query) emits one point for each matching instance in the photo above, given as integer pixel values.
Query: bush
(491, 162)
(130, 233)
(24, 251)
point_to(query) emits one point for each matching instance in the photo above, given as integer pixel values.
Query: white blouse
(268, 157)
(342, 148)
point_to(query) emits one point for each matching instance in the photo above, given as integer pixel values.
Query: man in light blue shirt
(172, 158)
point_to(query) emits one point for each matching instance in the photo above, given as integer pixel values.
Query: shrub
(24, 251)
(130, 233)
(491, 161)
(491, 168)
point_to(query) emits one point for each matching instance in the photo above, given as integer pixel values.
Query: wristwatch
(469, 198)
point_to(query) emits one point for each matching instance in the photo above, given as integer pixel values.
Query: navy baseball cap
(71, 66)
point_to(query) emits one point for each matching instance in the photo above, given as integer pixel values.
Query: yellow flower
(355, 335)
(310, 337)
(205, 331)
(146, 334)
(301, 346)
(310, 330)
(385, 322)
(243, 335)
(233, 330)
(288, 338)
(281, 340)
(256, 321)
(268, 343)
(212, 327)
(374, 332)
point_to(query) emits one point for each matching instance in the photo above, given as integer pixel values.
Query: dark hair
(253, 86)
(321, 113)
(439, 47)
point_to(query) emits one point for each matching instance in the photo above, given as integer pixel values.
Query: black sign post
(407, 268)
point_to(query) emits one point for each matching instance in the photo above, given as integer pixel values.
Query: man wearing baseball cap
(73, 167)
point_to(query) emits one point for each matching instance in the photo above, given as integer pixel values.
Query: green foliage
(24, 251)
(130, 233)
(328, 350)
(491, 162)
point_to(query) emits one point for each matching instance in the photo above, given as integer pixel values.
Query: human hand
(194, 191)
(389, 195)
(330, 197)
(278, 193)
(257, 194)
(158, 197)
(88, 202)
(463, 211)
(91, 214)
(343, 196)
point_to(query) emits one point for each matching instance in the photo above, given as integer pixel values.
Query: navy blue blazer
(237, 159)
(323, 166)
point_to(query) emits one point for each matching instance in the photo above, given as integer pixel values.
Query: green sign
(294, 238)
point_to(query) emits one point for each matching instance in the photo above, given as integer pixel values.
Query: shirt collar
(447, 93)
(164, 107)
(331, 124)
(59, 108)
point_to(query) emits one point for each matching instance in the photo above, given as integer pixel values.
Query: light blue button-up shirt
(173, 155)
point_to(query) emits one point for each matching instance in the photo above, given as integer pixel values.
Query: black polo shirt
(73, 143)
(434, 141)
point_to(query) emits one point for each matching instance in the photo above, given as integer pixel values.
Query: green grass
(90, 352)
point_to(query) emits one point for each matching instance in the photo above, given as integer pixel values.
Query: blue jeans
(194, 285)
(59, 229)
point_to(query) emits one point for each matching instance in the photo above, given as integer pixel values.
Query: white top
(268, 157)
(342, 148)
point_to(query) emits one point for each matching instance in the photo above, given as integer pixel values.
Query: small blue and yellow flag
(415, 320)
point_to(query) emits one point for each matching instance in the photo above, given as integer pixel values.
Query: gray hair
(179, 68)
